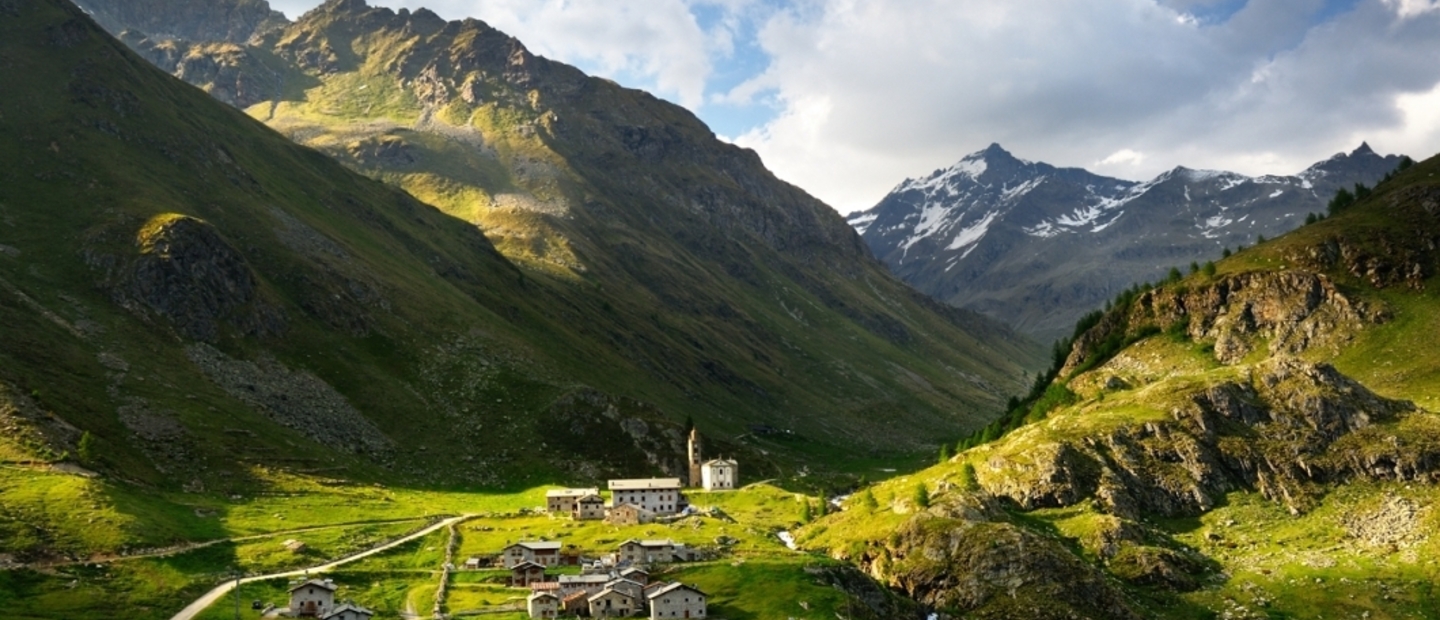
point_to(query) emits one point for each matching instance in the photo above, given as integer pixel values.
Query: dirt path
(194, 609)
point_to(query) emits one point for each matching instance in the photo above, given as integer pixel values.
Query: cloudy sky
(846, 98)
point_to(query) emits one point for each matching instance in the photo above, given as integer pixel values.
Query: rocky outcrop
(231, 73)
(992, 570)
(1294, 311)
(1291, 427)
(182, 270)
(233, 21)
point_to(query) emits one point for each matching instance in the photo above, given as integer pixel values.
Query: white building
(658, 495)
(719, 474)
(314, 597)
(677, 600)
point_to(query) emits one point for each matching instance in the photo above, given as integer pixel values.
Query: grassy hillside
(1262, 442)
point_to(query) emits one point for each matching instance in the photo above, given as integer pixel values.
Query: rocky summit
(1039, 246)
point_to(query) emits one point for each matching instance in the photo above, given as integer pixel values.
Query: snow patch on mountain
(862, 221)
(973, 233)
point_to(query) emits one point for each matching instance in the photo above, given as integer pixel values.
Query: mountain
(1261, 441)
(1038, 246)
(200, 297)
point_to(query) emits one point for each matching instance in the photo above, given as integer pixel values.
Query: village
(564, 582)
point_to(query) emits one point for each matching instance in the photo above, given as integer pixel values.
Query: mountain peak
(1363, 149)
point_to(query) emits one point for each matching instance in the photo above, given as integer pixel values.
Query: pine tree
(1226, 252)
(867, 500)
(968, 480)
(1194, 267)
(1209, 269)
(86, 449)
(922, 495)
(944, 453)
(805, 515)
(1311, 219)
(1173, 276)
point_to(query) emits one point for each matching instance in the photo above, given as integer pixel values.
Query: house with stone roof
(543, 605)
(661, 496)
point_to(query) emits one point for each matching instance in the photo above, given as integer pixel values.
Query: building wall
(301, 601)
(613, 605)
(681, 603)
(658, 501)
(719, 477)
(544, 607)
(589, 511)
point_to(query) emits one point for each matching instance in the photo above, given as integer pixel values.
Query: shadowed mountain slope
(201, 296)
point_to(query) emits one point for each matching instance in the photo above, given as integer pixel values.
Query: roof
(577, 596)
(591, 498)
(527, 564)
(543, 586)
(673, 587)
(608, 592)
(730, 462)
(326, 584)
(632, 570)
(595, 578)
(537, 545)
(349, 607)
(571, 492)
(650, 543)
(539, 594)
(640, 484)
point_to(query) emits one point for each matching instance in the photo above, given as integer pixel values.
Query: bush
(86, 449)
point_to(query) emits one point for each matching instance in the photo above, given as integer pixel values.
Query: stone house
(590, 584)
(526, 573)
(653, 552)
(628, 514)
(719, 474)
(661, 496)
(677, 600)
(543, 605)
(314, 598)
(637, 575)
(544, 553)
(633, 588)
(350, 611)
(562, 501)
(576, 603)
(610, 603)
(589, 508)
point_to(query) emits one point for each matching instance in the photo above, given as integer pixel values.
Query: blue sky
(847, 98)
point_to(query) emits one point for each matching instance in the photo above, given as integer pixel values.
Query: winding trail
(211, 597)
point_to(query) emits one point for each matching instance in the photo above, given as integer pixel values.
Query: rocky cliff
(1231, 440)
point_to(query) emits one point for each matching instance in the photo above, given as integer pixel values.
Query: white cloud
(909, 87)
(1122, 157)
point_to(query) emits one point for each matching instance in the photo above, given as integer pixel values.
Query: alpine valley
(1039, 246)
(359, 307)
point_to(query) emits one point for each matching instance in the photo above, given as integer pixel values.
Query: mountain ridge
(425, 342)
(1040, 245)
